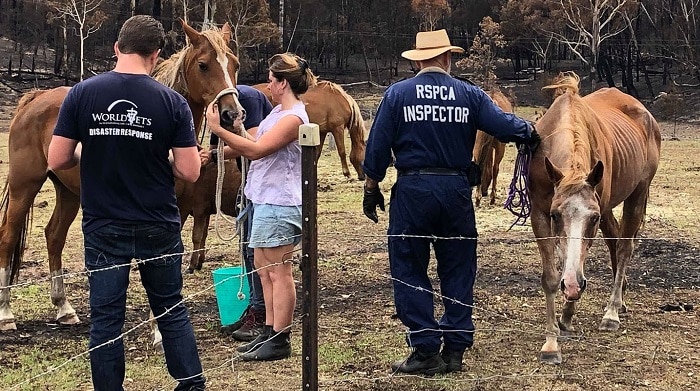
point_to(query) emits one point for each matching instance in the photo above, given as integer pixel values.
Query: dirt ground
(656, 347)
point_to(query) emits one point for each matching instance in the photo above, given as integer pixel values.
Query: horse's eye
(595, 219)
(203, 67)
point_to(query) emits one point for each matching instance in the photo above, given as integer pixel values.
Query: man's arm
(186, 163)
(64, 153)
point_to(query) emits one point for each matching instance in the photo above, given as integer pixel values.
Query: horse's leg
(567, 313)
(157, 336)
(200, 225)
(193, 256)
(319, 148)
(339, 135)
(357, 151)
(19, 201)
(550, 352)
(200, 231)
(611, 231)
(632, 217)
(56, 231)
(499, 151)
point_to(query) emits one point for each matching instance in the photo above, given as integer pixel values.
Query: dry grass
(359, 337)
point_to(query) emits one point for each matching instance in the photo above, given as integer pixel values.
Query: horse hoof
(609, 325)
(7, 325)
(550, 357)
(68, 319)
(189, 271)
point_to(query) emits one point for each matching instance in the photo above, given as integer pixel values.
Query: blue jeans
(257, 300)
(116, 245)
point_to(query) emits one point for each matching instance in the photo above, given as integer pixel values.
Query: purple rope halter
(518, 202)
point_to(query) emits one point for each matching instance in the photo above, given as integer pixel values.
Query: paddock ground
(656, 347)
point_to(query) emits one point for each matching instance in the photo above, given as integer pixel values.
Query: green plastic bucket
(228, 286)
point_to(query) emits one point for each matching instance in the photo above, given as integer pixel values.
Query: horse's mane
(168, 73)
(577, 119)
(565, 81)
(330, 85)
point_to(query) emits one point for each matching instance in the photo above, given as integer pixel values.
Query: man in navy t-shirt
(128, 125)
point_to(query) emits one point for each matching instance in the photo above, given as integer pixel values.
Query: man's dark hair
(141, 34)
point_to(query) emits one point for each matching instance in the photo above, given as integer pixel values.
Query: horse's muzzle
(573, 292)
(228, 117)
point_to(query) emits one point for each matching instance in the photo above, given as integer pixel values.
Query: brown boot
(229, 329)
(252, 326)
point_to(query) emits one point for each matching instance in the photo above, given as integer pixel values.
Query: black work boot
(257, 342)
(276, 348)
(252, 327)
(425, 363)
(229, 329)
(453, 359)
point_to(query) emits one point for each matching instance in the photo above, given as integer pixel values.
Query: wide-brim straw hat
(431, 44)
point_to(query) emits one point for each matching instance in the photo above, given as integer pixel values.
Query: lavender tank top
(276, 178)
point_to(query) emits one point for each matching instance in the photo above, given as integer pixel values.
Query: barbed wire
(522, 327)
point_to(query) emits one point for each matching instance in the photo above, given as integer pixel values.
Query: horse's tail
(565, 81)
(18, 251)
(483, 157)
(356, 128)
(355, 124)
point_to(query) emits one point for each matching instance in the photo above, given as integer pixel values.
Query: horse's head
(210, 71)
(575, 216)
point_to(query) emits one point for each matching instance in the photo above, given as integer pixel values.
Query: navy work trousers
(439, 206)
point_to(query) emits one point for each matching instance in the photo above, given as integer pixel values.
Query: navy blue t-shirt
(256, 106)
(127, 125)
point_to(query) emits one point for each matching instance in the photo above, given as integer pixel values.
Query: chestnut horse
(597, 152)
(488, 153)
(329, 106)
(200, 72)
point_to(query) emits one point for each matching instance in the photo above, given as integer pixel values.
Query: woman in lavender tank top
(274, 187)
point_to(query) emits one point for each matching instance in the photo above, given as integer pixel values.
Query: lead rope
(220, 173)
(518, 201)
(242, 221)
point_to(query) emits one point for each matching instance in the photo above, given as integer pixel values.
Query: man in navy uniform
(429, 122)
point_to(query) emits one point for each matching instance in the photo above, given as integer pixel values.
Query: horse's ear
(596, 174)
(193, 35)
(226, 30)
(555, 175)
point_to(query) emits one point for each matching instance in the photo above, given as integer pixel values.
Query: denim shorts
(275, 225)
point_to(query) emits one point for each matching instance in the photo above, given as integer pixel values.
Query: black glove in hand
(372, 198)
(534, 142)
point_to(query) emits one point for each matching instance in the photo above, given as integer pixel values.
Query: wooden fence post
(309, 140)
